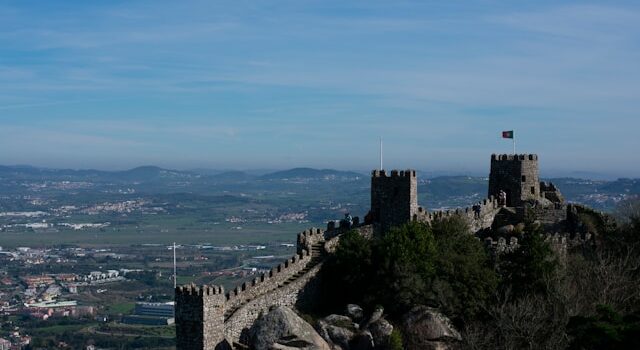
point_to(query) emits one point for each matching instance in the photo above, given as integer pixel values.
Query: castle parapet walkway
(478, 219)
(284, 285)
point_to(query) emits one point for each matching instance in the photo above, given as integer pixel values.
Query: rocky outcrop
(362, 341)
(426, 328)
(344, 333)
(375, 316)
(381, 331)
(355, 312)
(282, 328)
(337, 330)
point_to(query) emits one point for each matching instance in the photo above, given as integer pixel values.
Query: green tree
(347, 274)
(606, 330)
(465, 279)
(405, 267)
(440, 265)
(531, 267)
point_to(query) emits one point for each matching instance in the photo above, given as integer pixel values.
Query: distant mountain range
(310, 173)
(154, 173)
(330, 184)
(139, 174)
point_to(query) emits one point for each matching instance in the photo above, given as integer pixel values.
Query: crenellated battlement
(487, 205)
(308, 238)
(501, 245)
(394, 197)
(394, 173)
(208, 315)
(479, 216)
(267, 281)
(512, 157)
(199, 316)
(517, 176)
(192, 290)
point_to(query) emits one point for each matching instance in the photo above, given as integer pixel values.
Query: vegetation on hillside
(414, 264)
(530, 298)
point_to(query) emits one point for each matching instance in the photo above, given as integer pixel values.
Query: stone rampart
(308, 238)
(267, 281)
(511, 157)
(208, 317)
(479, 219)
(516, 175)
(501, 245)
(199, 317)
(394, 197)
(285, 295)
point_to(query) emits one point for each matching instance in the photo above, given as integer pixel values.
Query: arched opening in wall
(524, 178)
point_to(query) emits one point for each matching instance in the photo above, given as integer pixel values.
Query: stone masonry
(200, 318)
(208, 318)
(517, 175)
(394, 198)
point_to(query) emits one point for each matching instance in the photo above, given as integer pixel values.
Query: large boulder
(282, 328)
(337, 330)
(340, 321)
(426, 328)
(381, 331)
(362, 341)
(355, 312)
(340, 336)
(337, 337)
(376, 315)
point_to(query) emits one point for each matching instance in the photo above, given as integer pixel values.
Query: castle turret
(517, 175)
(394, 198)
(199, 317)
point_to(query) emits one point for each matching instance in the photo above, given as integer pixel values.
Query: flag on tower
(507, 134)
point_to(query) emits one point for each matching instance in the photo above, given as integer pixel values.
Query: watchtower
(394, 199)
(199, 317)
(517, 175)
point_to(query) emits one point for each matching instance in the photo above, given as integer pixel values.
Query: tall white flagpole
(175, 276)
(380, 152)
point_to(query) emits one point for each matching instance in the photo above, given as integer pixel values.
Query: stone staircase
(318, 254)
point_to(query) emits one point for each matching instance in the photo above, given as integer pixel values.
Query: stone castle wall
(551, 217)
(268, 281)
(206, 316)
(308, 238)
(394, 198)
(477, 221)
(290, 295)
(515, 174)
(199, 316)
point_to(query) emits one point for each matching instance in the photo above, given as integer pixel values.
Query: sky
(281, 84)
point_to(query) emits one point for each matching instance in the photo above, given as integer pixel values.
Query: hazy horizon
(422, 172)
(206, 84)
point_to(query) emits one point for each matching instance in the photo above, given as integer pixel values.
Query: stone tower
(199, 317)
(394, 199)
(517, 175)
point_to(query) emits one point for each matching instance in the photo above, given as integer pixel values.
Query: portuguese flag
(507, 134)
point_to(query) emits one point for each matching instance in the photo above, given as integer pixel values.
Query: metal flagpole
(380, 152)
(175, 277)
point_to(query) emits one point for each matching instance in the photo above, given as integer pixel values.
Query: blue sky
(279, 84)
